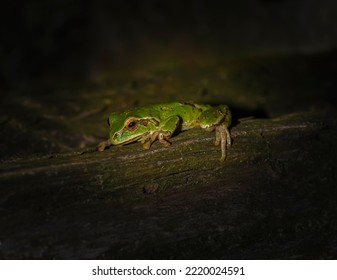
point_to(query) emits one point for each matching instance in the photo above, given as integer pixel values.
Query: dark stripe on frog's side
(187, 103)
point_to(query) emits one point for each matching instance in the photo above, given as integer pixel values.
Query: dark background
(75, 39)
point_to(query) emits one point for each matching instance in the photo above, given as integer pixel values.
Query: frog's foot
(146, 144)
(101, 146)
(163, 136)
(148, 140)
(223, 137)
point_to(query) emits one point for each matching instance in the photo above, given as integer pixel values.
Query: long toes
(228, 136)
(166, 143)
(163, 139)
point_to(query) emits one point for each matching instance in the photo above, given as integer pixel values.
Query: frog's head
(125, 128)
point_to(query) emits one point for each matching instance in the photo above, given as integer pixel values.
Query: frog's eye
(131, 124)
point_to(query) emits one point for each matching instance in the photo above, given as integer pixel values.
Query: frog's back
(188, 112)
(164, 110)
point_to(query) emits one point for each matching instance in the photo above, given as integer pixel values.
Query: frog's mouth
(134, 139)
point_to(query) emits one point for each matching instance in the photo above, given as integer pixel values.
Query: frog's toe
(217, 137)
(228, 137)
(223, 138)
(163, 140)
(101, 146)
(147, 145)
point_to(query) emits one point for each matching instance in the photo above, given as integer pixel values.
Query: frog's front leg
(163, 132)
(101, 146)
(218, 118)
(166, 129)
(148, 140)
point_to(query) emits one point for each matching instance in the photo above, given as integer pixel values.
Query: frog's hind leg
(218, 119)
(222, 137)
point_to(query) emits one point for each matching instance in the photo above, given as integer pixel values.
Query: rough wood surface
(274, 197)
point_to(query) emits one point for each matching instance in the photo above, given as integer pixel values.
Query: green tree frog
(161, 121)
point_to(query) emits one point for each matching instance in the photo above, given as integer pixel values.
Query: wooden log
(274, 197)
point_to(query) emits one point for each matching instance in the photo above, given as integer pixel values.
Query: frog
(162, 121)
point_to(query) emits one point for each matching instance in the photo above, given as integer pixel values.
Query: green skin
(160, 121)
